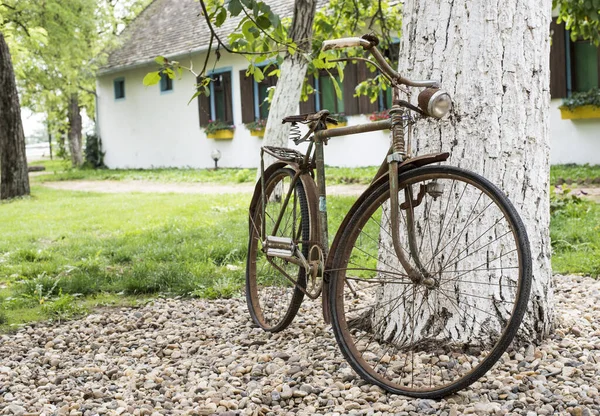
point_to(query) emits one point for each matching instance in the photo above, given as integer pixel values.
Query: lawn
(574, 173)
(575, 235)
(63, 253)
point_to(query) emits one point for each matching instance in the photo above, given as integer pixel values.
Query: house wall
(573, 141)
(152, 129)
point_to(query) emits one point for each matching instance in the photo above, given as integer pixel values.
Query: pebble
(199, 357)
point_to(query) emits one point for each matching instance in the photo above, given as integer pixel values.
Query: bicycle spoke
(401, 328)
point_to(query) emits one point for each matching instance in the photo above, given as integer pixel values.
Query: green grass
(63, 253)
(575, 235)
(60, 170)
(61, 249)
(574, 172)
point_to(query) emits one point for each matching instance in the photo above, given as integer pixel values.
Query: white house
(143, 127)
(574, 67)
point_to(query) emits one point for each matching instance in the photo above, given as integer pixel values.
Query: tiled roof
(171, 28)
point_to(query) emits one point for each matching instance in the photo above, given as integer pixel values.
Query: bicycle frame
(397, 160)
(314, 160)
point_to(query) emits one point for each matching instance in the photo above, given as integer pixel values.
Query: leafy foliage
(57, 46)
(579, 99)
(581, 17)
(258, 125)
(214, 126)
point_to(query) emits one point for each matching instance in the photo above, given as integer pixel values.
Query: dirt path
(183, 188)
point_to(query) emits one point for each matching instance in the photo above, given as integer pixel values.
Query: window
(327, 98)
(574, 66)
(218, 105)
(254, 95)
(584, 66)
(166, 83)
(119, 85)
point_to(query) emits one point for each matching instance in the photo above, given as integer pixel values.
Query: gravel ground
(204, 357)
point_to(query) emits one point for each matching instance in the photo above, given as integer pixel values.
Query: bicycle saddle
(309, 117)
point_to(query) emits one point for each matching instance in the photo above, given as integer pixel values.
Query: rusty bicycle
(428, 276)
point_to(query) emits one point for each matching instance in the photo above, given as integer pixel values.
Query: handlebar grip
(344, 43)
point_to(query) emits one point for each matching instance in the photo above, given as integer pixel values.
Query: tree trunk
(75, 127)
(14, 179)
(293, 70)
(493, 60)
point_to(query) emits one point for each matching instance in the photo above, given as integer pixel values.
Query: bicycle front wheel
(273, 285)
(430, 337)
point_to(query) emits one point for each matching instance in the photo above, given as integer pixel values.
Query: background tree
(493, 60)
(14, 179)
(56, 72)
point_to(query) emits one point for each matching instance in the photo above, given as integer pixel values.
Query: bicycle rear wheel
(273, 299)
(431, 340)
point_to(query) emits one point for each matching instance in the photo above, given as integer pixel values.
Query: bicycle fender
(382, 179)
(309, 186)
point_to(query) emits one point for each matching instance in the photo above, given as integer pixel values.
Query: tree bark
(493, 60)
(292, 73)
(75, 127)
(14, 179)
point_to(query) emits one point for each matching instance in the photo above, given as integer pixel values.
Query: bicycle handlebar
(370, 45)
(345, 43)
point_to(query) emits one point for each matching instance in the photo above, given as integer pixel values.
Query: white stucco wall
(573, 141)
(152, 129)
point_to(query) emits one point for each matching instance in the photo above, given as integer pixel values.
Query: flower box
(578, 113)
(257, 133)
(224, 134)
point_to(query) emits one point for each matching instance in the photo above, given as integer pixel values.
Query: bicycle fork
(418, 275)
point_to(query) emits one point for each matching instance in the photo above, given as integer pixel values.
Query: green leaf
(235, 7)
(221, 16)
(152, 78)
(263, 22)
(246, 30)
(258, 74)
(196, 94)
(336, 86)
(275, 20)
(161, 60)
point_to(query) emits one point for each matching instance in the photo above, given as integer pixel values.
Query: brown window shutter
(365, 106)
(226, 77)
(558, 61)
(247, 92)
(308, 106)
(349, 86)
(203, 108)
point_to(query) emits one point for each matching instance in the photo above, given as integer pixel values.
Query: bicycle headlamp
(435, 102)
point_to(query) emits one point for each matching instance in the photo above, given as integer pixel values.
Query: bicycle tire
(435, 348)
(273, 301)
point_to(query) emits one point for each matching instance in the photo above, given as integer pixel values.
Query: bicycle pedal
(282, 247)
